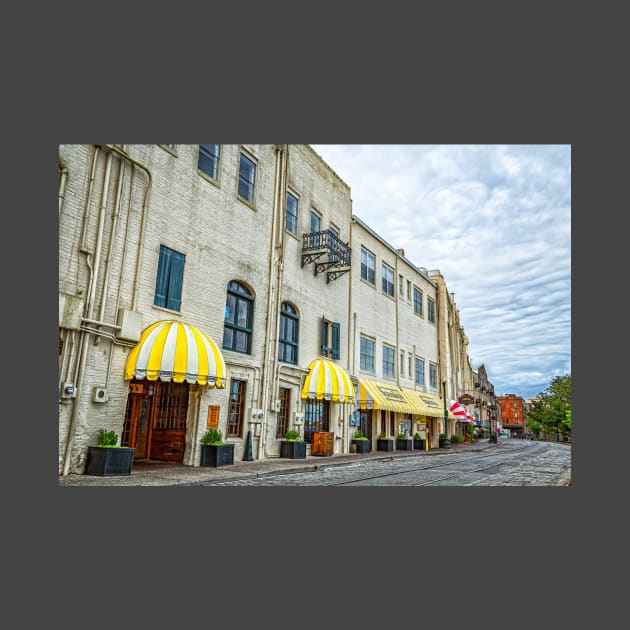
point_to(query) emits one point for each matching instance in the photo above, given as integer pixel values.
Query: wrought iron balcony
(318, 244)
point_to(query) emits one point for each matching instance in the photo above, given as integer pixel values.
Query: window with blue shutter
(336, 328)
(325, 348)
(169, 279)
(331, 339)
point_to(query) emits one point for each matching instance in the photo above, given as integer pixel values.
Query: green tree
(552, 410)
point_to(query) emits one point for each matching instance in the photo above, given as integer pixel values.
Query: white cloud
(496, 221)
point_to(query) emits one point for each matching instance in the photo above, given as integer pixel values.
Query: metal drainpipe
(88, 198)
(110, 248)
(89, 305)
(264, 378)
(397, 358)
(351, 340)
(145, 206)
(63, 178)
(280, 245)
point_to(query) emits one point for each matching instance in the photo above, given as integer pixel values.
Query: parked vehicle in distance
(504, 433)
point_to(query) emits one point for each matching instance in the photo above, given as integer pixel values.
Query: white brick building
(255, 246)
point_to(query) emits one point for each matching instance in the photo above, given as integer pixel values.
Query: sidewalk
(151, 473)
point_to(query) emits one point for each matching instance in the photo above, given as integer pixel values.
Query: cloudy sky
(496, 221)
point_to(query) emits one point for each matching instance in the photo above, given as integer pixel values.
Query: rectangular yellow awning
(389, 397)
(434, 405)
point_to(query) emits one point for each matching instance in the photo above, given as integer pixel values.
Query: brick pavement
(165, 474)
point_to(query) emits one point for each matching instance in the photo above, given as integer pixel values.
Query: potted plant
(418, 442)
(107, 458)
(293, 446)
(361, 442)
(384, 443)
(444, 442)
(403, 443)
(214, 451)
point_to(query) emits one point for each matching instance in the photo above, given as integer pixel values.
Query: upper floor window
(417, 301)
(246, 179)
(389, 361)
(408, 290)
(288, 342)
(292, 213)
(208, 161)
(367, 355)
(419, 371)
(401, 284)
(388, 279)
(368, 264)
(433, 375)
(316, 222)
(402, 363)
(431, 309)
(239, 315)
(169, 280)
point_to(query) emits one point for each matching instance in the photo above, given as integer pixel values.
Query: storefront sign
(466, 399)
(136, 388)
(213, 416)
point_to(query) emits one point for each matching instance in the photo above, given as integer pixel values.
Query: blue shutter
(176, 280)
(336, 328)
(325, 347)
(161, 280)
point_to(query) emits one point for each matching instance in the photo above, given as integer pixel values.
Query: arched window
(288, 346)
(239, 316)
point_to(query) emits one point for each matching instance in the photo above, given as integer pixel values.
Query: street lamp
(445, 443)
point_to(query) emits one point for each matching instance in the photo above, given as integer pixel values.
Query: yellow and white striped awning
(377, 395)
(434, 405)
(389, 397)
(326, 380)
(174, 351)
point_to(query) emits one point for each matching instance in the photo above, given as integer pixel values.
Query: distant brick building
(512, 413)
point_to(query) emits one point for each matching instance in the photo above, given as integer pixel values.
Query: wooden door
(365, 422)
(137, 421)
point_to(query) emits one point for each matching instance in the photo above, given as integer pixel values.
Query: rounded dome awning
(178, 352)
(326, 380)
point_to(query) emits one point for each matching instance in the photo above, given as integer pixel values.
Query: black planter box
(363, 446)
(384, 445)
(404, 445)
(217, 455)
(293, 450)
(418, 445)
(109, 461)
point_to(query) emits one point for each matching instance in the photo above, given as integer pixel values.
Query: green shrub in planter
(213, 437)
(107, 458)
(214, 451)
(106, 438)
(292, 435)
(293, 446)
(358, 435)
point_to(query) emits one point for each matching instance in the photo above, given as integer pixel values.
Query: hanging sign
(465, 399)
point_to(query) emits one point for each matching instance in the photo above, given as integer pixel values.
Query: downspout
(110, 248)
(280, 245)
(63, 178)
(145, 205)
(351, 341)
(88, 198)
(85, 335)
(397, 285)
(269, 307)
